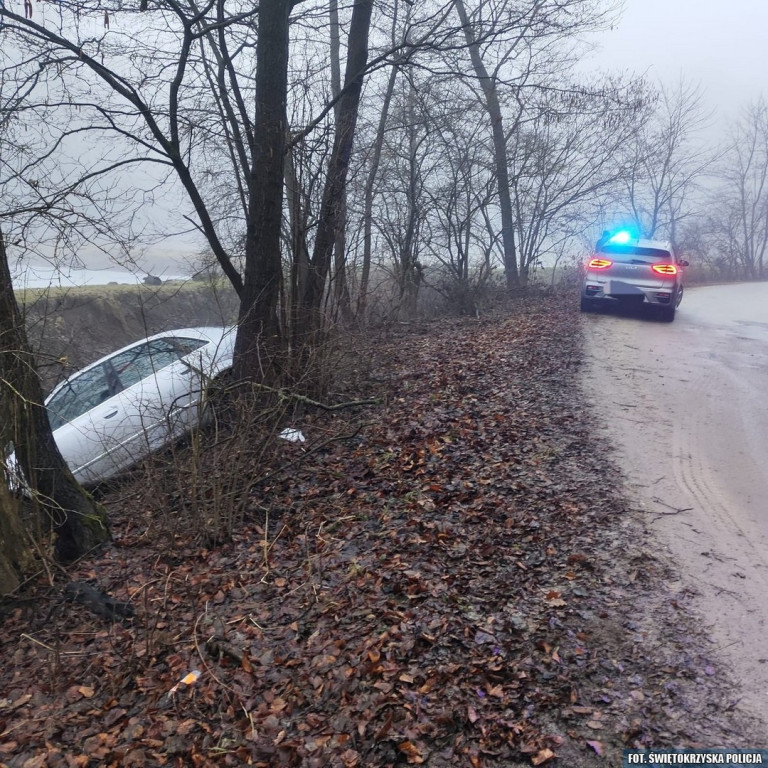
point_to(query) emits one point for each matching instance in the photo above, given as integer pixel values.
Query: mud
(683, 405)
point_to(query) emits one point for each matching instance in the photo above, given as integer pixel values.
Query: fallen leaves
(433, 595)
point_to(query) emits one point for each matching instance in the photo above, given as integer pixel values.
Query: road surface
(686, 405)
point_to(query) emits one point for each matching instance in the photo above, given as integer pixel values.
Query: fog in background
(719, 47)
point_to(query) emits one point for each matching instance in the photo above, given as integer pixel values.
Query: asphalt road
(686, 407)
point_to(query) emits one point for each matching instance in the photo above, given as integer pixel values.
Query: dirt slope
(71, 328)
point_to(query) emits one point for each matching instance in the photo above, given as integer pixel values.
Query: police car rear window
(629, 252)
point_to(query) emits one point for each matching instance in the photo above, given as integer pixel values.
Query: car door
(111, 416)
(85, 417)
(157, 387)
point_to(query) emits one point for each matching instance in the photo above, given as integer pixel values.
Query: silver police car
(625, 270)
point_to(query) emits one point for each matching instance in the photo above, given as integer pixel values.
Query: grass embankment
(71, 327)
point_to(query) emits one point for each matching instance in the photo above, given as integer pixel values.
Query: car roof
(210, 333)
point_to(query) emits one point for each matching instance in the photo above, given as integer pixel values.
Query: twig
(286, 395)
(674, 510)
(202, 657)
(47, 647)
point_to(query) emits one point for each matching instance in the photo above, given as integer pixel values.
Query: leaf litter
(458, 583)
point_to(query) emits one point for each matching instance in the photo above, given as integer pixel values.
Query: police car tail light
(599, 264)
(665, 269)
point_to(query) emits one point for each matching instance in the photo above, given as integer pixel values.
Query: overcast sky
(721, 44)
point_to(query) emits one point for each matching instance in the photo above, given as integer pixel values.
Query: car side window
(186, 346)
(146, 359)
(78, 396)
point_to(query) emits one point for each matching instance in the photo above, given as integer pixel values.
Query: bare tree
(739, 217)
(340, 285)
(330, 214)
(566, 159)
(78, 521)
(667, 161)
(40, 198)
(493, 107)
(461, 195)
(512, 50)
(375, 156)
(202, 109)
(258, 346)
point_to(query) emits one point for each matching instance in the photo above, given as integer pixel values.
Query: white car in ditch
(110, 415)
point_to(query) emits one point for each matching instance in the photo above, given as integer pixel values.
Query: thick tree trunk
(258, 348)
(13, 543)
(493, 108)
(79, 522)
(330, 217)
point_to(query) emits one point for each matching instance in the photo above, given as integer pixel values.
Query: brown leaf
(350, 758)
(411, 751)
(186, 727)
(113, 716)
(556, 602)
(381, 734)
(542, 756)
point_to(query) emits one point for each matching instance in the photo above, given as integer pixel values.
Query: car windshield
(633, 254)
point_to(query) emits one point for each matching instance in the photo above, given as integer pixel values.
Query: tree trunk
(493, 108)
(297, 205)
(370, 181)
(13, 543)
(258, 348)
(370, 185)
(78, 521)
(330, 218)
(410, 268)
(340, 285)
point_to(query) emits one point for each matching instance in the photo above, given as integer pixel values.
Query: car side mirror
(684, 263)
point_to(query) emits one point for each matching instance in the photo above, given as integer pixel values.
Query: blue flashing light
(621, 237)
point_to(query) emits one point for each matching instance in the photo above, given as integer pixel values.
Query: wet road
(686, 405)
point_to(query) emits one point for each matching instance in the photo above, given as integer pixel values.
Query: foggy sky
(720, 44)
